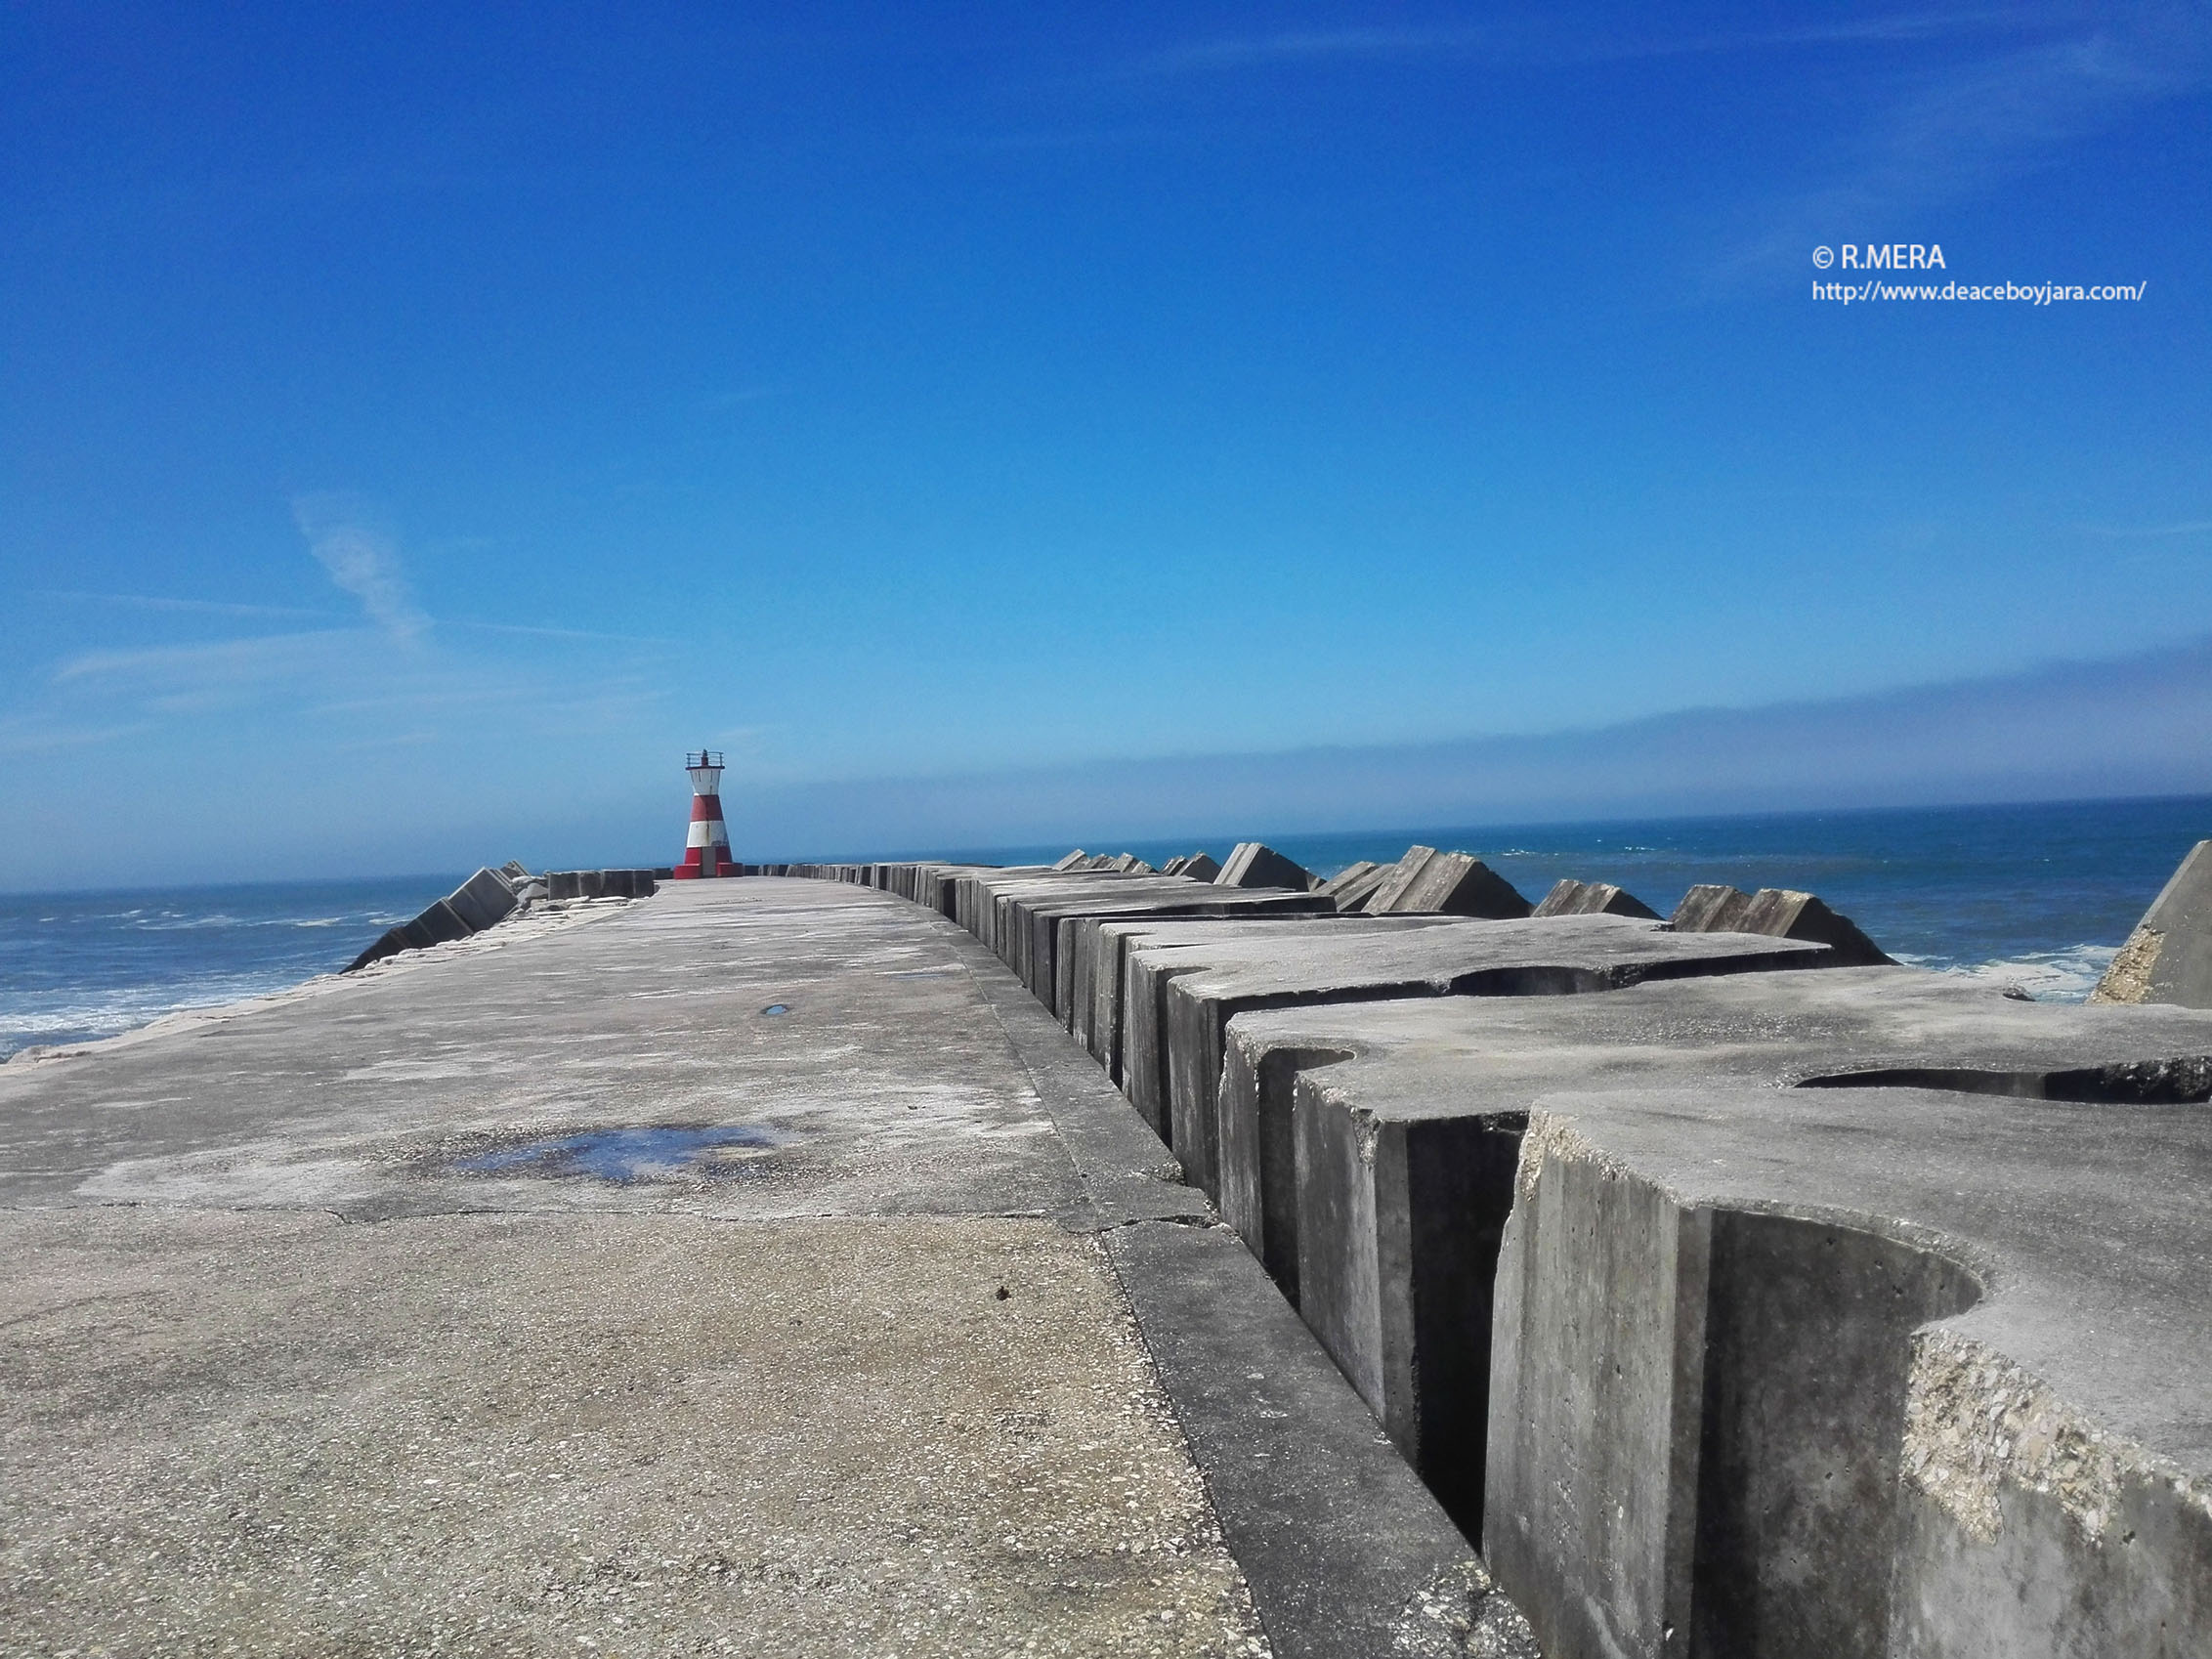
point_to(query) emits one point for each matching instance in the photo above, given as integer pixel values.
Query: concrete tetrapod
(1896, 1372)
(1199, 988)
(2168, 957)
(1376, 1174)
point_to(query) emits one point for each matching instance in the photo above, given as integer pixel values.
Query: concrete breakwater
(1737, 1291)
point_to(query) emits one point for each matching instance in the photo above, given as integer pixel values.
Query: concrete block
(1779, 912)
(1709, 908)
(1254, 864)
(483, 899)
(2168, 957)
(1592, 898)
(515, 871)
(1856, 1372)
(1427, 880)
(1200, 867)
(1071, 860)
(1447, 956)
(439, 924)
(1093, 951)
(1385, 1136)
(1175, 866)
(390, 943)
(1348, 876)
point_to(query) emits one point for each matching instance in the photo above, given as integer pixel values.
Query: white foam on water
(2049, 976)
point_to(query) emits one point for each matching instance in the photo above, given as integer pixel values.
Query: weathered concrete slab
(1254, 864)
(1196, 990)
(731, 1262)
(1370, 1149)
(2168, 957)
(1427, 880)
(277, 1434)
(1855, 1371)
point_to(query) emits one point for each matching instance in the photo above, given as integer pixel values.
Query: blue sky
(418, 425)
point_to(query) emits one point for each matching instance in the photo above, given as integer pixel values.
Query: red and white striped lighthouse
(706, 849)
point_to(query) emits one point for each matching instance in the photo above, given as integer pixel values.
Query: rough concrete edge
(1253, 1461)
(2127, 977)
(1976, 1421)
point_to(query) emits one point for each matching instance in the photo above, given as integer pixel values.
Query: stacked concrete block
(1196, 996)
(1428, 881)
(1369, 1150)
(1121, 962)
(1592, 898)
(1736, 1310)
(483, 899)
(2168, 957)
(1254, 864)
(1780, 912)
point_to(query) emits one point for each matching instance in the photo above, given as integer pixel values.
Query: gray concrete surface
(2168, 956)
(1196, 990)
(726, 1272)
(1369, 1149)
(1855, 1371)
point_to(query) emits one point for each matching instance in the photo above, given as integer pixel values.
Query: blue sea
(2037, 896)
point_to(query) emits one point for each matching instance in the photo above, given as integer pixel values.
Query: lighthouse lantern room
(706, 850)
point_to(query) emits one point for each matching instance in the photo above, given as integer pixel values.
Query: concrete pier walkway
(754, 1269)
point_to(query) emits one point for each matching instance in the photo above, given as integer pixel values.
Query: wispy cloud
(228, 661)
(41, 734)
(198, 607)
(1945, 134)
(557, 633)
(360, 561)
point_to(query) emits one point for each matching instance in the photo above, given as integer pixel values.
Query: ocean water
(74, 967)
(2036, 896)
